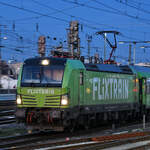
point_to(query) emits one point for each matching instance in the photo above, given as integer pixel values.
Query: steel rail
(77, 140)
(88, 143)
(7, 111)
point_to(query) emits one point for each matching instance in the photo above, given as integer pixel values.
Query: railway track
(7, 110)
(96, 143)
(16, 141)
(103, 142)
(79, 140)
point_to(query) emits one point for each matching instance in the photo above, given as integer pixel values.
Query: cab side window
(148, 86)
(81, 78)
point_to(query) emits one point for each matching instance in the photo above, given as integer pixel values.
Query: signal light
(135, 90)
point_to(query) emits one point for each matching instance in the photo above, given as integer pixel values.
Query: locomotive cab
(47, 92)
(40, 95)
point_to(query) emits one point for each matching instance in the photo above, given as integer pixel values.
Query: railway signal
(89, 39)
(41, 45)
(73, 38)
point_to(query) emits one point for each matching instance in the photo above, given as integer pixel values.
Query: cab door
(147, 92)
(142, 91)
(81, 88)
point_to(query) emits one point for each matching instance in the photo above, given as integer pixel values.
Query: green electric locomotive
(60, 93)
(143, 75)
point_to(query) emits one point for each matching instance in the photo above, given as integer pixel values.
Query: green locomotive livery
(59, 93)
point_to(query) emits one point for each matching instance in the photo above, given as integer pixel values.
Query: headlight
(64, 100)
(45, 62)
(19, 101)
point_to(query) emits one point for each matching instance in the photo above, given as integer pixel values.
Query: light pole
(134, 49)
(129, 59)
(144, 46)
(1, 39)
(105, 35)
(134, 52)
(4, 38)
(89, 39)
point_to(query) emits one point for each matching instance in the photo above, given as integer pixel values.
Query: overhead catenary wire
(33, 12)
(139, 3)
(89, 26)
(45, 15)
(70, 15)
(87, 20)
(128, 3)
(55, 12)
(119, 11)
(116, 11)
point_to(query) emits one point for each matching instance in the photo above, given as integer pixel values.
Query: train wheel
(87, 126)
(87, 123)
(70, 126)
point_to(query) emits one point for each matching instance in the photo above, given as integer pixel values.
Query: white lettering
(115, 88)
(100, 96)
(126, 89)
(120, 89)
(111, 81)
(110, 88)
(106, 88)
(94, 87)
(40, 91)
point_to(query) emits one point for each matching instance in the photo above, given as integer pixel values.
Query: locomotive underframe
(60, 119)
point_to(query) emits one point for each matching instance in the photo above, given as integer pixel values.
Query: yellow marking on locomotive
(88, 90)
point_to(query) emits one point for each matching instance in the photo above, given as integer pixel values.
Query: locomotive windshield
(42, 75)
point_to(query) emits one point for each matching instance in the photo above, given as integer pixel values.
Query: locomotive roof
(37, 60)
(141, 71)
(109, 68)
